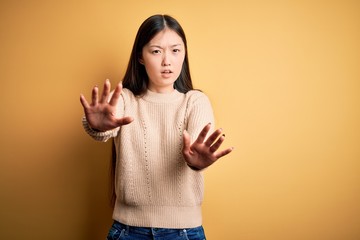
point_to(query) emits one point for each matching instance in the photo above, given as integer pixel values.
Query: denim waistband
(149, 231)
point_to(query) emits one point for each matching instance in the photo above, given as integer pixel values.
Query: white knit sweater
(154, 185)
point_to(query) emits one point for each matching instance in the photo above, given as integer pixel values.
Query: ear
(141, 61)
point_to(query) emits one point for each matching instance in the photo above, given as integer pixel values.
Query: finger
(115, 97)
(124, 121)
(106, 91)
(84, 103)
(203, 133)
(224, 152)
(217, 144)
(94, 96)
(186, 143)
(213, 137)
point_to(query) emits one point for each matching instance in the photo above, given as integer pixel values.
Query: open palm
(101, 114)
(203, 152)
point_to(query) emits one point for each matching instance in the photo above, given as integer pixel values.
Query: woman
(153, 115)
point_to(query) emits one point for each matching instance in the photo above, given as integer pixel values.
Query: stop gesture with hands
(203, 152)
(101, 114)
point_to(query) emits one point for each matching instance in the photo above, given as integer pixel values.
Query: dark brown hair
(136, 78)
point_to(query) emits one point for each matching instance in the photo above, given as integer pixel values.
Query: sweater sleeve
(200, 113)
(99, 136)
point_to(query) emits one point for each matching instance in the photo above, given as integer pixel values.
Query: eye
(157, 51)
(176, 50)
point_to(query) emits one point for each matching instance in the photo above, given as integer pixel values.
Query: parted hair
(136, 78)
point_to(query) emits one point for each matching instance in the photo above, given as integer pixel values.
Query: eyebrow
(158, 46)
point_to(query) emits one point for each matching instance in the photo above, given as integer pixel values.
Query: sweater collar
(162, 97)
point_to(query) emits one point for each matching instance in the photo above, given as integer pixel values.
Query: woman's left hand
(203, 152)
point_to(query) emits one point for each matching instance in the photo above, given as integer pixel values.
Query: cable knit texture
(154, 185)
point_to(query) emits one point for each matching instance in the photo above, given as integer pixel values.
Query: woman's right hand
(101, 115)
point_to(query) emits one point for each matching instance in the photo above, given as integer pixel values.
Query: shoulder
(125, 93)
(195, 96)
(198, 101)
(128, 95)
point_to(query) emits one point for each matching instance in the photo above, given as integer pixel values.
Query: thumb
(124, 121)
(186, 141)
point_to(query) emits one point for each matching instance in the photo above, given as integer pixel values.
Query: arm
(204, 150)
(101, 120)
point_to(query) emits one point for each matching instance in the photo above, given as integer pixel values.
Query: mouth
(166, 71)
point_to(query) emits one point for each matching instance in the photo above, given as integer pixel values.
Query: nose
(166, 59)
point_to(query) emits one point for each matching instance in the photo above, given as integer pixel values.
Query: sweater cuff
(98, 136)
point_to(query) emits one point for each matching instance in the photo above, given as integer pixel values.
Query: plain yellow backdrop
(284, 81)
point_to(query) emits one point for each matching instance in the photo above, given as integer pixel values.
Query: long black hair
(136, 78)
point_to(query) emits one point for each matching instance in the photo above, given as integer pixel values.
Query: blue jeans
(119, 231)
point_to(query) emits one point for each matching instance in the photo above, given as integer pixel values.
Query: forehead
(166, 37)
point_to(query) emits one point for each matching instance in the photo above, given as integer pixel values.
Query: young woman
(163, 137)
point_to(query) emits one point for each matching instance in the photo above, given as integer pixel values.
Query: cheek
(181, 63)
(150, 67)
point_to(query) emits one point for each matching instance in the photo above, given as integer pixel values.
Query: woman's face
(163, 57)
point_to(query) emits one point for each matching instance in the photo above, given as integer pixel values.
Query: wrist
(194, 168)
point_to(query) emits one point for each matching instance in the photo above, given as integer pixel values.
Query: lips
(167, 73)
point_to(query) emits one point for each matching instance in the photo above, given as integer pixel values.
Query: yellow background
(284, 80)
